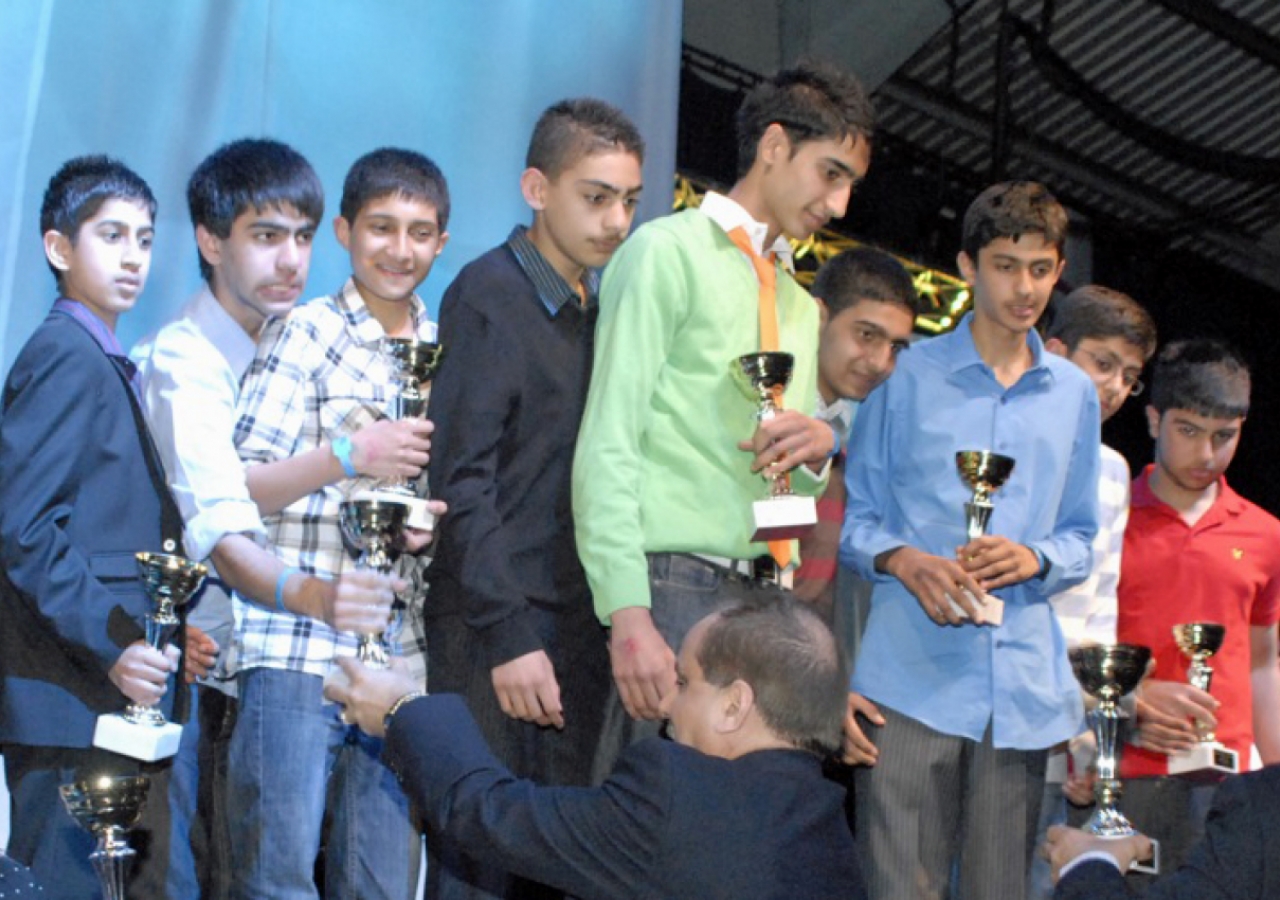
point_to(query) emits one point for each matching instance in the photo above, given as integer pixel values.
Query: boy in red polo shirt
(1196, 551)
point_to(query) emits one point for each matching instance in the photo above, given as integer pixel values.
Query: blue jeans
(291, 759)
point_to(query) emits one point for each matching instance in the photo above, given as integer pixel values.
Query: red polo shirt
(1225, 569)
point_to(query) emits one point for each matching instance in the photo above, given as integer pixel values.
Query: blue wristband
(280, 582)
(341, 448)
(835, 448)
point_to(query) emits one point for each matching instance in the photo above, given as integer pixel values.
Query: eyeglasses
(1108, 367)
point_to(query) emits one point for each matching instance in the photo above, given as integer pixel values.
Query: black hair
(865, 273)
(79, 188)
(253, 173)
(1205, 376)
(572, 129)
(393, 171)
(811, 102)
(1098, 312)
(1010, 210)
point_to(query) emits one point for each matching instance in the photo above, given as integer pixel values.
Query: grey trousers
(942, 816)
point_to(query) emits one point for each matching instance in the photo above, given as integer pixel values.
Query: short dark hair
(1098, 312)
(790, 658)
(572, 129)
(79, 188)
(865, 273)
(1205, 376)
(811, 102)
(1010, 210)
(252, 173)
(392, 170)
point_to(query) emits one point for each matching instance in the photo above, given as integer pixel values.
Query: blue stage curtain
(160, 85)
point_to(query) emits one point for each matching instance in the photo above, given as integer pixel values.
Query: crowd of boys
(594, 573)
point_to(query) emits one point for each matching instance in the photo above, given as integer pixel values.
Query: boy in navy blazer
(81, 491)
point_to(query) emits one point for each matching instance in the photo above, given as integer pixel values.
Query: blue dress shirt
(904, 490)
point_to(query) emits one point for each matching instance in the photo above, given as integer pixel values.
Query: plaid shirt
(322, 377)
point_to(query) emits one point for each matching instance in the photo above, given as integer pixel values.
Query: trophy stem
(977, 516)
(111, 861)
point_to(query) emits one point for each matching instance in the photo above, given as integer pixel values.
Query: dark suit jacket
(1239, 858)
(670, 822)
(77, 501)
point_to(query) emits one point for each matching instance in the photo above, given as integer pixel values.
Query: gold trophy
(1209, 760)
(763, 377)
(984, 473)
(372, 526)
(141, 732)
(415, 362)
(1108, 672)
(108, 806)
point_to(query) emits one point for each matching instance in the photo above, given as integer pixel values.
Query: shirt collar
(98, 329)
(730, 214)
(222, 331)
(964, 352)
(369, 330)
(553, 290)
(1228, 501)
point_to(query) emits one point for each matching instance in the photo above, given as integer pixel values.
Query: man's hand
(360, 601)
(787, 440)
(1164, 711)
(392, 448)
(1064, 844)
(142, 672)
(997, 562)
(202, 653)
(644, 667)
(415, 540)
(935, 582)
(527, 689)
(367, 694)
(1078, 788)
(856, 746)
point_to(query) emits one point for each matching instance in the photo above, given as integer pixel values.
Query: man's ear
(57, 249)
(736, 702)
(774, 146)
(209, 245)
(1153, 421)
(1057, 348)
(342, 231)
(968, 266)
(824, 313)
(533, 187)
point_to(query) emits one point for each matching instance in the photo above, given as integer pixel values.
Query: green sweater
(657, 467)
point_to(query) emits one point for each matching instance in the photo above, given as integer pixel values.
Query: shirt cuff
(211, 525)
(1089, 856)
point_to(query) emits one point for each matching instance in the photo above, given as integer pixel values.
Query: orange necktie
(768, 276)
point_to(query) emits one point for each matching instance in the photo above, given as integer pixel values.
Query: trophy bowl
(983, 471)
(372, 526)
(414, 362)
(1199, 640)
(1109, 671)
(170, 580)
(108, 806)
(762, 377)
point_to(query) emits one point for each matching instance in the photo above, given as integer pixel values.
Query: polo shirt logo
(1237, 553)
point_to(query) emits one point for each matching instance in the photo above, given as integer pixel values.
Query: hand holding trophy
(985, 473)
(1108, 672)
(142, 732)
(1208, 760)
(414, 362)
(372, 527)
(763, 377)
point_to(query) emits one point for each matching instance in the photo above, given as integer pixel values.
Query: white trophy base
(145, 742)
(1150, 866)
(783, 518)
(419, 516)
(990, 610)
(1208, 761)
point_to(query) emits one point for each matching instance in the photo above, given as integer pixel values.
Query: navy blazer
(81, 491)
(670, 822)
(1239, 858)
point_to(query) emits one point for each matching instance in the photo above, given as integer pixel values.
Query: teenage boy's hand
(202, 653)
(1164, 710)
(996, 562)
(856, 746)
(415, 540)
(527, 689)
(936, 582)
(644, 667)
(788, 440)
(360, 602)
(142, 672)
(392, 448)
(366, 695)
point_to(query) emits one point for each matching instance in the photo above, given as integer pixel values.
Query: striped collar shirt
(553, 290)
(324, 377)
